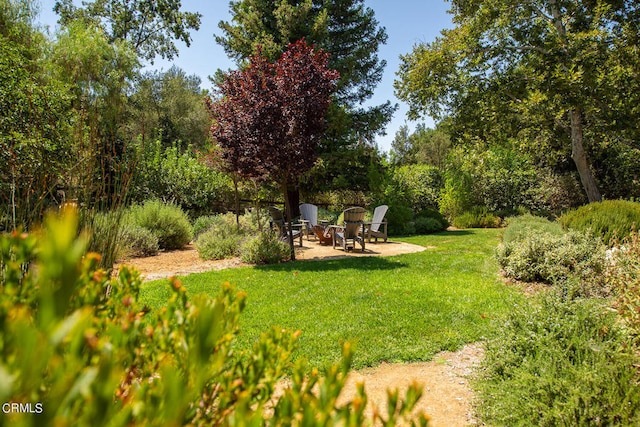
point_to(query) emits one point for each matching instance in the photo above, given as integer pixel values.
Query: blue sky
(407, 22)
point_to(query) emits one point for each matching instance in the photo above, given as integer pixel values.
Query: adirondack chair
(351, 231)
(279, 222)
(309, 214)
(372, 229)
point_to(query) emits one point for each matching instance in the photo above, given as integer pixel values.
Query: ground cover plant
(560, 362)
(402, 308)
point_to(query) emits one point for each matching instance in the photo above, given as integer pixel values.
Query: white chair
(372, 229)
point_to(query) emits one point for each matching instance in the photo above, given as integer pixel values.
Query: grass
(396, 309)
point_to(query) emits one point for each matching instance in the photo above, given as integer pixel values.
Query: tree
(149, 26)
(35, 118)
(544, 71)
(349, 32)
(269, 117)
(169, 105)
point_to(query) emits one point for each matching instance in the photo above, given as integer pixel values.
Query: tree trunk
(580, 157)
(287, 215)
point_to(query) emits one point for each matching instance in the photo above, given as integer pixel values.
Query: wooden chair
(279, 222)
(309, 214)
(372, 229)
(351, 231)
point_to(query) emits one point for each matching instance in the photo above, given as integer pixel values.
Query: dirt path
(447, 397)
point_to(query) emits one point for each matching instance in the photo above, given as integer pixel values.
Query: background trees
(547, 74)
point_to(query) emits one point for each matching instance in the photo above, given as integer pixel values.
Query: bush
(202, 224)
(477, 218)
(520, 227)
(536, 256)
(167, 222)
(180, 177)
(559, 363)
(222, 238)
(623, 276)
(138, 241)
(422, 185)
(611, 219)
(430, 213)
(82, 349)
(265, 248)
(427, 225)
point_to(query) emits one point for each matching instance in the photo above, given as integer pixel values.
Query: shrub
(167, 222)
(427, 225)
(81, 349)
(222, 238)
(430, 213)
(477, 218)
(138, 241)
(544, 257)
(623, 275)
(422, 185)
(563, 362)
(180, 177)
(265, 248)
(520, 227)
(610, 219)
(202, 224)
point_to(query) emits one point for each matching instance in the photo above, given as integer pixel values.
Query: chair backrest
(309, 213)
(353, 219)
(277, 218)
(378, 217)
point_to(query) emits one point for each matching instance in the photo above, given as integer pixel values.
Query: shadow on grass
(359, 263)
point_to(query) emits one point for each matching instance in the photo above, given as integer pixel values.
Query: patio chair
(309, 214)
(351, 231)
(372, 229)
(279, 222)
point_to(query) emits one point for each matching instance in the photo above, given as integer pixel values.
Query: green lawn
(402, 308)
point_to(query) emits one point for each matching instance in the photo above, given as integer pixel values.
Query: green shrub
(202, 224)
(563, 362)
(623, 276)
(81, 349)
(138, 241)
(520, 227)
(610, 219)
(167, 222)
(105, 230)
(544, 257)
(427, 225)
(265, 248)
(477, 218)
(430, 213)
(222, 238)
(179, 176)
(422, 185)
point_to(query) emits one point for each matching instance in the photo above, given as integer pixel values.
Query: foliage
(221, 239)
(623, 276)
(562, 362)
(541, 73)
(477, 217)
(167, 222)
(169, 106)
(149, 27)
(533, 255)
(269, 117)
(265, 248)
(611, 219)
(35, 116)
(422, 185)
(520, 227)
(137, 241)
(424, 145)
(80, 348)
(179, 177)
(202, 224)
(426, 225)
